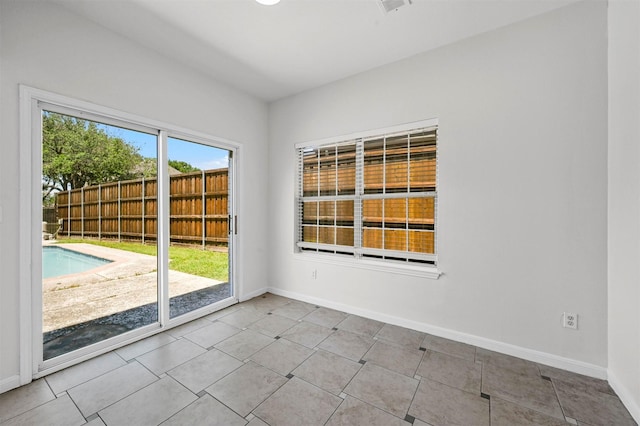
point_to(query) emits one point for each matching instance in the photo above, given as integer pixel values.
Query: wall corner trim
(625, 395)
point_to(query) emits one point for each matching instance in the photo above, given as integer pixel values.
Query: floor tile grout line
(172, 330)
(352, 377)
(371, 336)
(311, 384)
(92, 417)
(33, 408)
(451, 355)
(77, 408)
(119, 356)
(270, 369)
(364, 356)
(220, 378)
(280, 333)
(418, 367)
(165, 332)
(126, 396)
(198, 398)
(481, 375)
(182, 363)
(251, 412)
(264, 400)
(179, 411)
(419, 383)
(185, 336)
(48, 385)
(458, 389)
(83, 363)
(378, 408)
(320, 342)
(146, 368)
(489, 419)
(532, 408)
(415, 370)
(225, 405)
(414, 397)
(555, 392)
(454, 387)
(187, 389)
(335, 410)
(259, 418)
(248, 356)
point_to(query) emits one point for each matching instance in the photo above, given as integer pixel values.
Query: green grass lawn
(194, 261)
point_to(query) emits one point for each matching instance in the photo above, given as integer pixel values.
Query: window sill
(371, 265)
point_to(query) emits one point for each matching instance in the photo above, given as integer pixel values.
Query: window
(370, 197)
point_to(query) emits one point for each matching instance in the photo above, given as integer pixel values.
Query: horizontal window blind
(373, 197)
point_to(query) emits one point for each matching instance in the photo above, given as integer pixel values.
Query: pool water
(58, 261)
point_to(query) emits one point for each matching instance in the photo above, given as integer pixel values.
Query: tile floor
(276, 361)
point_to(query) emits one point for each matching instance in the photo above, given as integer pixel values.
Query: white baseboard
(556, 361)
(9, 383)
(625, 396)
(256, 293)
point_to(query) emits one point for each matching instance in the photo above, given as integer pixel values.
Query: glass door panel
(199, 212)
(99, 231)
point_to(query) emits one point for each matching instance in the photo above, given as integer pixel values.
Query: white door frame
(30, 255)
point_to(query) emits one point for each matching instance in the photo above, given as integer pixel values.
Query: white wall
(624, 201)
(522, 187)
(47, 47)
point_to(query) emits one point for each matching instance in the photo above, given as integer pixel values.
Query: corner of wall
(625, 395)
(623, 230)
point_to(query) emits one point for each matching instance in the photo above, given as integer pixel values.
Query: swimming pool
(58, 261)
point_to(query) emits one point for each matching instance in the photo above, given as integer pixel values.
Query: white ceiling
(275, 51)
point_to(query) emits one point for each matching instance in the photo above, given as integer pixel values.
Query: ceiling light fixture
(268, 2)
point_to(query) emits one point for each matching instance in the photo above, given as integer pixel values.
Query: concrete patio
(129, 282)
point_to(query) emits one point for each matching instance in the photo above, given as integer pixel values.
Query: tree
(78, 152)
(147, 168)
(183, 166)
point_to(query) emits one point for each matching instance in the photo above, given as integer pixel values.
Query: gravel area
(67, 339)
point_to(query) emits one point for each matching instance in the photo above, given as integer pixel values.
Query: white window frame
(32, 101)
(357, 259)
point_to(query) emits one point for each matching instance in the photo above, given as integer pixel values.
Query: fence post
(119, 211)
(68, 213)
(143, 207)
(82, 213)
(99, 211)
(204, 210)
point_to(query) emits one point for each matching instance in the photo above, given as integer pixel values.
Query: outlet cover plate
(570, 320)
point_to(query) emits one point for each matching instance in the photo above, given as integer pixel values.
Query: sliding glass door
(136, 231)
(99, 228)
(199, 225)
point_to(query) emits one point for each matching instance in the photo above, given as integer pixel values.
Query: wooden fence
(128, 210)
(404, 224)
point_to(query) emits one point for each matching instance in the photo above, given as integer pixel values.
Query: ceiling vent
(393, 5)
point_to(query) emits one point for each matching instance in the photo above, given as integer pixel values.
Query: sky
(200, 156)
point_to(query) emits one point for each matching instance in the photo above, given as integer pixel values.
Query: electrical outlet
(314, 274)
(570, 320)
